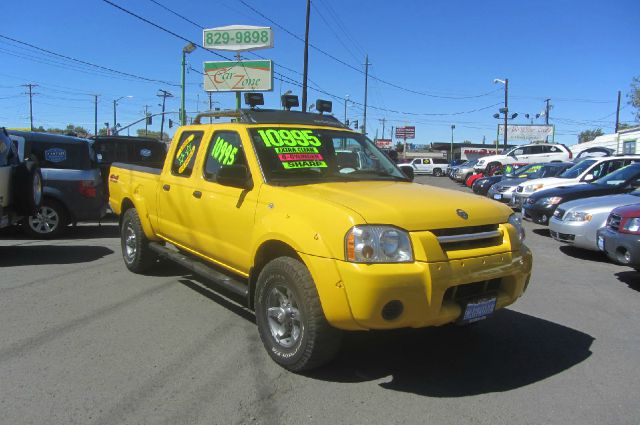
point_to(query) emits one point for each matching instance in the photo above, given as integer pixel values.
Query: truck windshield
(309, 155)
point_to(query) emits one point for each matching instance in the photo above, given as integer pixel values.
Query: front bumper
(504, 197)
(538, 213)
(623, 248)
(353, 296)
(581, 234)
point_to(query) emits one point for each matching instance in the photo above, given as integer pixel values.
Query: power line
(87, 63)
(360, 70)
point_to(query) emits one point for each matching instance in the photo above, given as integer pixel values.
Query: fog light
(392, 310)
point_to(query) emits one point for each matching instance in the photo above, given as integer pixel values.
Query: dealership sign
(526, 132)
(225, 76)
(406, 132)
(237, 38)
(383, 143)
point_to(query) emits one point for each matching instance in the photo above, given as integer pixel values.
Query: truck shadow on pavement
(631, 278)
(583, 254)
(508, 351)
(36, 255)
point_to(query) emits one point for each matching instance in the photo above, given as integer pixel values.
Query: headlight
(377, 244)
(533, 187)
(480, 162)
(577, 216)
(632, 225)
(516, 222)
(551, 200)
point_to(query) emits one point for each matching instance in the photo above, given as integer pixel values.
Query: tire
(285, 291)
(27, 188)
(437, 172)
(49, 222)
(136, 253)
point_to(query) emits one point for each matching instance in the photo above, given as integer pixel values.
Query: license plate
(497, 196)
(478, 310)
(600, 243)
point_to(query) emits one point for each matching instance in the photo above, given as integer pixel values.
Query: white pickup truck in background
(436, 166)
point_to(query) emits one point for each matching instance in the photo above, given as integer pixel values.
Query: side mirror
(235, 176)
(408, 171)
(588, 177)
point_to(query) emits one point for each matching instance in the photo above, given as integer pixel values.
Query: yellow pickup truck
(317, 231)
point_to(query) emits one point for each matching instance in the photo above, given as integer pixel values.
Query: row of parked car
(73, 185)
(591, 202)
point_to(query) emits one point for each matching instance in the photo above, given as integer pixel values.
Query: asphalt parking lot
(83, 341)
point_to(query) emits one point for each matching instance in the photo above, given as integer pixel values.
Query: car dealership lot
(85, 341)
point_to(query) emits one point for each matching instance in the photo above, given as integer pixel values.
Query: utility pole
(546, 116)
(31, 86)
(383, 121)
(506, 109)
(346, 99)
(618, 113)
(210, 106)
(95, 114)
(146, 120)
(305, 70)
(163, 94)
(366, 82)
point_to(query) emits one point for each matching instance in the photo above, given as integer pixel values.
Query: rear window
(76, 156)
(439, 161)
(136, 152)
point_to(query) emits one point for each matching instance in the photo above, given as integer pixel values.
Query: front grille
(613, 222)
(470, 237)
(465, 230)
(472, 290)
(559, 213)
(565, 237)
(519, 189)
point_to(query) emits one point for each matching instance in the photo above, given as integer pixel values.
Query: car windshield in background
(311, 155)
(577, 169)
(620, 176)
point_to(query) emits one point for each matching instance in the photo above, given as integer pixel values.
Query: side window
(225, 148)
(534, 150)
(427, 161)
(614, 165)
(554, 149)
(629, 147)
(519, 151)
(598, 170)
(186, 152)
(417, 161)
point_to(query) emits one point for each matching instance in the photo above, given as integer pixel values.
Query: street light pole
(451, 150)
(115, 122)
(186, 49)
(506, 109)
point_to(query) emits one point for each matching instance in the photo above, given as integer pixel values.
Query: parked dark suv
(20, 183)
(73, 187)
(144, 151)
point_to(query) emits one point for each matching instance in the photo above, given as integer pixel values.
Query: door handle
(197, 194)
(166, 187)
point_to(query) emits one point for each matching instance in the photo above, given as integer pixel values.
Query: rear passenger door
(177, 186)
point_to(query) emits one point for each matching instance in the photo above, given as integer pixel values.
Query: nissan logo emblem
(463, 214)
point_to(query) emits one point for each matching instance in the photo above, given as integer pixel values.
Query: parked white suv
(583, 172)
(436, 166)
(527, 154)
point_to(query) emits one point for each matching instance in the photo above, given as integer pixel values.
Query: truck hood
(551, 182)
(410, 206)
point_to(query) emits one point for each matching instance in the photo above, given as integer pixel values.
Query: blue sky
(578, 53)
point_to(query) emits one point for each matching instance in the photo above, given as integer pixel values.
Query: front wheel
(290, 319)
(136, 253)
(437, 172)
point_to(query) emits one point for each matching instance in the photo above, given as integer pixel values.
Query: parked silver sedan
(576, 222)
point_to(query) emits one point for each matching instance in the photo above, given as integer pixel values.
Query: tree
(154, 134)
(634, 96)
(589, 135)
(399, 147)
